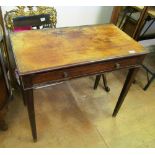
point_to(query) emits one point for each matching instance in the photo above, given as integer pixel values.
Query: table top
(40, 50)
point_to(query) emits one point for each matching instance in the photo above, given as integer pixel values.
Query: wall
(79, 15)
(72, 16)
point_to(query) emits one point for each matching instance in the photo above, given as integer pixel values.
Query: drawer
(66, 73)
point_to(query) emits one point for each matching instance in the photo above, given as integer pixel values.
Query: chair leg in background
(149, 82)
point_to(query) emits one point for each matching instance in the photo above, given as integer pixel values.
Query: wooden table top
(38, 50)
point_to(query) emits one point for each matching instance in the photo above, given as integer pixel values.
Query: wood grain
(43, 49)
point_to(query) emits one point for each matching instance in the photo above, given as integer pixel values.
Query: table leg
(130, 78)
(107, 89)
(29, 101)
(97, 80)
(24, 97)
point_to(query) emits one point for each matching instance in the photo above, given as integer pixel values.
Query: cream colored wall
(79, 15)
(72, 16)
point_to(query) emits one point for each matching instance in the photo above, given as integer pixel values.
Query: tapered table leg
(97, 80)
(28, 100)
(107, 89)
(24, 99)
(130, 78)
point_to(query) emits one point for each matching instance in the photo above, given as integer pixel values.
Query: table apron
(33, 80)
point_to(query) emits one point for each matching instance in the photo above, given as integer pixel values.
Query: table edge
(78, 64)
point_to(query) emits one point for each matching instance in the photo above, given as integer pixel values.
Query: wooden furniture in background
(140, 23)
(134, 20)
(115, 14)
(5, 92)
(97, 80)
(147, 14)
(137, 28)
(6, 50)
(74, 52)
(147, 11)
(3, 101)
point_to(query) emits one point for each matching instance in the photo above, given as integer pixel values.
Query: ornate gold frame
(21, 11)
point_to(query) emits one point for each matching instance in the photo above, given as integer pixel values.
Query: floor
(72, 114)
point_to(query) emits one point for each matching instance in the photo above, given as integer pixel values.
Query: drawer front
(81, 70)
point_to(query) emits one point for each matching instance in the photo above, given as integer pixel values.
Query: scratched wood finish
(43, 49)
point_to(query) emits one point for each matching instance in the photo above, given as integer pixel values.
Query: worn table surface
(37, 50)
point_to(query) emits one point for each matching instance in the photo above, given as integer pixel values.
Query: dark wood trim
(140, 23)
(107, 89)
(115, 14)
(79, 71)
(8, 52)
(97, 80)
(4, 36)
(3, 26)
(129, 80)
(4, 95)
(29, 101)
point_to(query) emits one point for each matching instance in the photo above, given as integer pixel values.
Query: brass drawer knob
(117, 65)
(65, 74)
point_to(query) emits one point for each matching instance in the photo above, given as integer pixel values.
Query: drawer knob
(117, 65)
(65, 74)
